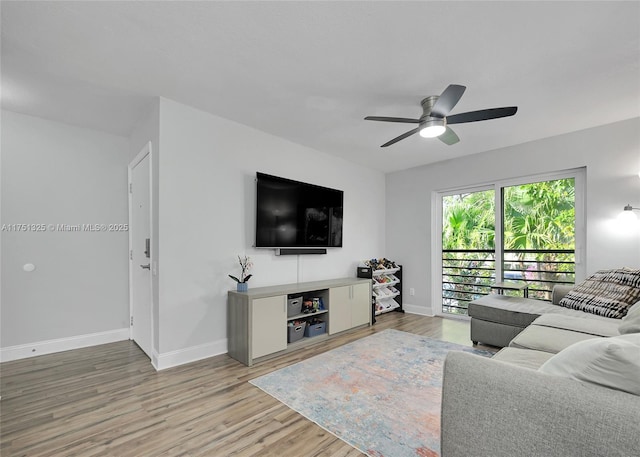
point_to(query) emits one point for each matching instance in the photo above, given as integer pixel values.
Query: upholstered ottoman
(497, 319)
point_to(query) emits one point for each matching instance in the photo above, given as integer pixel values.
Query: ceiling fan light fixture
(435, 117)
(433, 128)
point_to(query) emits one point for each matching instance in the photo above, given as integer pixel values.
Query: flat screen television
(294, 214)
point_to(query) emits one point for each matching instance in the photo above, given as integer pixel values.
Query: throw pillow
(608, 293)
(612, 362)
(631, 322)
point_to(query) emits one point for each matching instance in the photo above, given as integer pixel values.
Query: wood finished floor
(109, 401)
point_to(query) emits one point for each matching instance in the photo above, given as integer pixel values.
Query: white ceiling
(310, 71)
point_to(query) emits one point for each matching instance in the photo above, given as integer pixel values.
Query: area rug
(380, 394)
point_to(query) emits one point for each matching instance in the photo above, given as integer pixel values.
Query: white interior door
(141, 262)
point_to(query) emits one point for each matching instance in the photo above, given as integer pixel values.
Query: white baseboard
(420, 310)
(187, 355)
(159, 361)
(24, 351)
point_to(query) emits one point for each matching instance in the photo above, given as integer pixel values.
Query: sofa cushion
(631, 322)
(608, 293)
(593, 325)
(523, 357)
(548, 339)
(610, 362)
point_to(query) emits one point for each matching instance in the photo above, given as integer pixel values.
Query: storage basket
(295, 332)
(294, 306)
(315, 329)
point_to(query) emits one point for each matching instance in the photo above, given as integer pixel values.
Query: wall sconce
(627, 214)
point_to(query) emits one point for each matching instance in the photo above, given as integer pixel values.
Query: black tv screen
(293, 214)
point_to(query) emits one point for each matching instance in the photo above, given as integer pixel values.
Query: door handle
(146, 267)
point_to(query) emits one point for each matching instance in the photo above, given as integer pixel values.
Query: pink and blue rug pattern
(380, 394)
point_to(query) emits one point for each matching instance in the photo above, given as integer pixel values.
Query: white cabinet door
(269, 325)
(349, 307)
(360, 304)
(339, 309)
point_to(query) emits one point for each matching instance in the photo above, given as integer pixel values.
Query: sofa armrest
(559, 291)
(495, 409)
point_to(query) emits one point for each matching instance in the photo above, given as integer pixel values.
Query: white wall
(611, 155)
(207, 167)
(54, 173)
(204, 205)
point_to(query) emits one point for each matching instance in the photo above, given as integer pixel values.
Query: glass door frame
(579, 176)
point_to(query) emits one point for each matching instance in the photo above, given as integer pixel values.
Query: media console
(257, 319)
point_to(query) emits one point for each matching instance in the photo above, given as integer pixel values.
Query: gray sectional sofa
(497, 319)
(566, 383)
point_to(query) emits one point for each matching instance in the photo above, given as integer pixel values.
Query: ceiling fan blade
(392, 119)
(449, 137)
(401, 137)
(482, 115)
(447, 100)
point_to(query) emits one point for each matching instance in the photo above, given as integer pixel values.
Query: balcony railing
(468, 274)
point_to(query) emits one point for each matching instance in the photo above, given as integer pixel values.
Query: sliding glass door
(468, 248)
(508, 231)
(538, 225)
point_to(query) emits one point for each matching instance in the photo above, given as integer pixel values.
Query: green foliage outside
(468, 221)
(537, 216)
(540, 215)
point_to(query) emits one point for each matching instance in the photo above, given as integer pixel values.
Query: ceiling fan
(435, 119)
